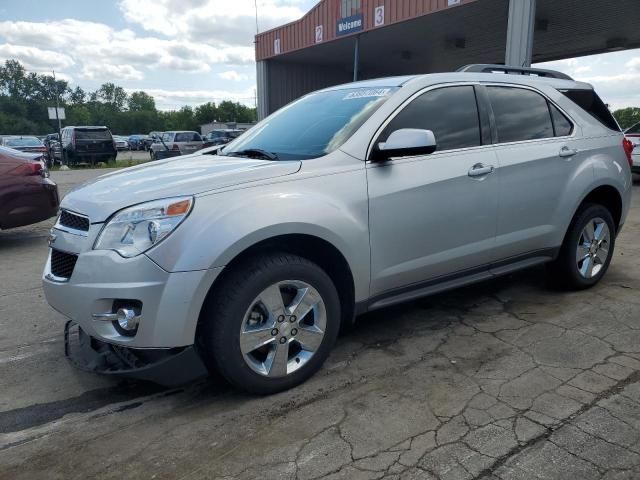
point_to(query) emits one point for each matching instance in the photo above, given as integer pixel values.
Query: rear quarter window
(591, 103)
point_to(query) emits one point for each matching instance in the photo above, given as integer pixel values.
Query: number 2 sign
(378, 18)
(319, 33)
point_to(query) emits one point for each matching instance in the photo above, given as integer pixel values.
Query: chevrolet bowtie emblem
(52, 239)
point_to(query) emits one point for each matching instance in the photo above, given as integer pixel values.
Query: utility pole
(255, 2)
(57, 108)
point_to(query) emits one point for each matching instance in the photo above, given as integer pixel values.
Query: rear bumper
(35, 202)
(167, 367)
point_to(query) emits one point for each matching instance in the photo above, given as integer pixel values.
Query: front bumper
(170, 302)
(167, 367)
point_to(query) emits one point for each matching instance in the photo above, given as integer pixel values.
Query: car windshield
(312, 126)
(23, 142)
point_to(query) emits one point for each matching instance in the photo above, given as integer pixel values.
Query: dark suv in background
(87, 145)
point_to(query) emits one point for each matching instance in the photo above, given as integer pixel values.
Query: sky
(187, 52)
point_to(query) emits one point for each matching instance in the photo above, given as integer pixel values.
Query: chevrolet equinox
(349, 199)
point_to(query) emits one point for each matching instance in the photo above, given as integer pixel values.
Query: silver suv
(349, 199)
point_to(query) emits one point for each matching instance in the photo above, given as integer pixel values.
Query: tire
(237, 305)
(567, 272)
(65, 158)
(152, 155)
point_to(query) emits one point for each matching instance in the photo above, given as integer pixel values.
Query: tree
(77, 96)
(12, 78)
(235, 112)
(112, 95)
(206, 113)
(25, 96)
(627, 117)
(141, 101)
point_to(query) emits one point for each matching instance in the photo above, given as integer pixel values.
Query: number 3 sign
(378, 19)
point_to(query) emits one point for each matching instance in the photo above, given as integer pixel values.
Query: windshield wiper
(253, 152)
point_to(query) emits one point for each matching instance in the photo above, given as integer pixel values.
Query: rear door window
(520, 114)
(451, 113)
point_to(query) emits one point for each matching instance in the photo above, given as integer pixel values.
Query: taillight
(175, 147)
(628, 150)
(73, 139)
(28, 169)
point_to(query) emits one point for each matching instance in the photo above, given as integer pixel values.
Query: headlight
(136, 229)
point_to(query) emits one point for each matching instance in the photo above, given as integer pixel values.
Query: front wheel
(587, 250)
(271, 324)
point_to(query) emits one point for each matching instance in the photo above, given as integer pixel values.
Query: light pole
(57, 107)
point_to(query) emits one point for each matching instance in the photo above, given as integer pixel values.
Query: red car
(27, 195)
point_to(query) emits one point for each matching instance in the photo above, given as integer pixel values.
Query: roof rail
(538, 72)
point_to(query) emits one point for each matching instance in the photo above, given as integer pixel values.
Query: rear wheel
(587, 250)
(271, 324)
(152, 154)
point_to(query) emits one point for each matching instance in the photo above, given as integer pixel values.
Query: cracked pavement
(501, 380)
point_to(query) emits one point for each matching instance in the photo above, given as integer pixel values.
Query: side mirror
(406, 142)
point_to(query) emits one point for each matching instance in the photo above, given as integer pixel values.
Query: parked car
(413, 185)
(175, 143)
(136, 142)
(633, 135)
(87, 145)
(27, 194)
(54, 151)
(150, 139)
(221, 136)
(27, 144)
(122, 143)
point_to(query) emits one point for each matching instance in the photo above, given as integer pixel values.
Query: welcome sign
(352, 24)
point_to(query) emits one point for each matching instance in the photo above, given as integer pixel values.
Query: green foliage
(24, 98)
(627, 117)
(141, 101)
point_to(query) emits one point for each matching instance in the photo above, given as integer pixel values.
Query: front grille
(62, 263)
(75, 221)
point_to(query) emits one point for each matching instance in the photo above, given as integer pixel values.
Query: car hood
(177, 176)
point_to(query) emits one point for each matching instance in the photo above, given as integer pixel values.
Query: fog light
(127, 319)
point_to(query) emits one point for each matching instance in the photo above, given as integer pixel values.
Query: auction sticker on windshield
(367, 92)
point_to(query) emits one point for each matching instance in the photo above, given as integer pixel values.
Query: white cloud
(633, 64)
(114, 72)
(233, 76)
(209, 21)
(173, 99)
(34, 58)
(104, 54)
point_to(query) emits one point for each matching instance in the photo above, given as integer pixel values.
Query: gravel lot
(505, 379)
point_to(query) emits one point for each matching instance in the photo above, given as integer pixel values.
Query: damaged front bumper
(167, 367)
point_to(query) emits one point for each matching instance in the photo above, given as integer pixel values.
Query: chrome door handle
(479, 169)
(567, 152)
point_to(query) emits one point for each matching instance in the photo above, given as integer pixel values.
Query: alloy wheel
(593, 248)
(283, 328)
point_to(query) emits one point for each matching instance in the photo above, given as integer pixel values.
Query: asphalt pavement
(507, 379)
